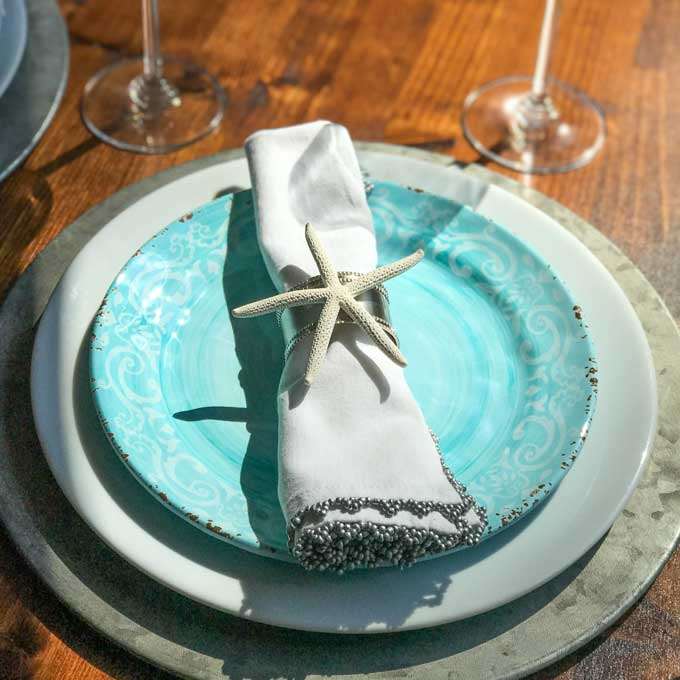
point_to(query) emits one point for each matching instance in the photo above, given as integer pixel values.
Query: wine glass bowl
(129, 110)
(562, 129)
(534, 124)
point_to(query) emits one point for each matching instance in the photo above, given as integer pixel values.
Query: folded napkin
(361, 480)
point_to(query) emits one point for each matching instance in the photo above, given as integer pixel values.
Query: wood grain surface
(390, 70)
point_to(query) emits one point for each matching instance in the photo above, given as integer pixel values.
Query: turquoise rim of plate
(500, 361)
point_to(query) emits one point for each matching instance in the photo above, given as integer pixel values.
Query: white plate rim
(492, 199)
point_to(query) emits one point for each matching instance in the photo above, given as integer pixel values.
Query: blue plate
(13, 30)
(499, 360)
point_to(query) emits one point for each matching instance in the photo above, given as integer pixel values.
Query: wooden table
(393, 71)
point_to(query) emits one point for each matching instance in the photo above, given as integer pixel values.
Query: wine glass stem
(153, 65)
(544, 48)
(151, 93)
(535, 114)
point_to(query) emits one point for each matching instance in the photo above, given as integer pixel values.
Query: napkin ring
(298, 322)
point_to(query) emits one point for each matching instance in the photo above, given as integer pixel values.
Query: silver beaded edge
(340, 546)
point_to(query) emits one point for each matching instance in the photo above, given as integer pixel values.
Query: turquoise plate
(499, 360)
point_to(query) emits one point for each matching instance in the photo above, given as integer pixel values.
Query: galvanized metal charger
(195, 641)
(30, 102)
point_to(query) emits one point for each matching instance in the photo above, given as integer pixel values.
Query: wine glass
(534, 124)
(152, 104)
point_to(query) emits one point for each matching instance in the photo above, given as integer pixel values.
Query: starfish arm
(292, 298)
(382, 274)
(322, 338)
(326, 269)
(374, 330)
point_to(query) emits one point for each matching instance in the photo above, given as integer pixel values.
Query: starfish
(335, 295)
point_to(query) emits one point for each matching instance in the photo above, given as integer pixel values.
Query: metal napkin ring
(298, 322)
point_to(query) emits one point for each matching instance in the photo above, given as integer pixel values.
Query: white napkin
(361, 481)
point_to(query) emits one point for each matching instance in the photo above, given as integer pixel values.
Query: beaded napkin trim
(338, 546)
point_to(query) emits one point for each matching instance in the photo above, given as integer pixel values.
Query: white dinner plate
(442, 590)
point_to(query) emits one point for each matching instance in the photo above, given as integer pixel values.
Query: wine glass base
(493, 123)
(188, 104)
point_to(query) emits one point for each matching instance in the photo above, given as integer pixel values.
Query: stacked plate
(135, 374)
(13, 29)
(33, 72)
